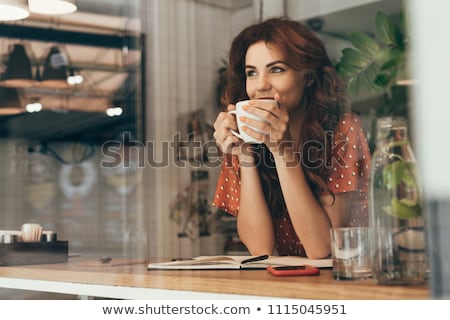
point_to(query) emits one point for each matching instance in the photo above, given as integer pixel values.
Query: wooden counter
(136, 282)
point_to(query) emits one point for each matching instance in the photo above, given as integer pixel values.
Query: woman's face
(267, 74)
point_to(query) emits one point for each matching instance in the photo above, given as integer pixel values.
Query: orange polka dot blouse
(350, 173)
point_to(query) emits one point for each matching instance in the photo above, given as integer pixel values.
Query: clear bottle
(396, 208)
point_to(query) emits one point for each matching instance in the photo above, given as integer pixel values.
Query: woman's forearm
(254, 222)
(310, 220)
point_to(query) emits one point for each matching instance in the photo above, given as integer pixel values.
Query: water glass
(350, 253)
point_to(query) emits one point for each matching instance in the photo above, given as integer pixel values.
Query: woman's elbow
(318, 253)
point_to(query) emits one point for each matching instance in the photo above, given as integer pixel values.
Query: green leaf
(364, 43)
(393, 173)
(403, 209)
(341, 71)
(355, 57)
(382, 80)
(397, 172)
(371, 74)
(352, 85)
(364, 82)
(399, 40)
(349, 68)
(408, 176)
(385, 29)
(389, 65)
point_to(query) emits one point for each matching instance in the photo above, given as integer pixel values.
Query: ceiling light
(18, 70)
(114, 111)
(52, 6)
(13, 10)
(74, 77)
(33, 107)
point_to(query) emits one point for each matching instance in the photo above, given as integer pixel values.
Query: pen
(254, 259)
(181, 259)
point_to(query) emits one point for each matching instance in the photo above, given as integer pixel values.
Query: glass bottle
(396, 208)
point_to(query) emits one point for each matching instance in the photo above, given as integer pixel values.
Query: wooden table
(134, 281)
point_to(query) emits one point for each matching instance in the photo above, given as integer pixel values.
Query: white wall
(431, 66)
(301, 10)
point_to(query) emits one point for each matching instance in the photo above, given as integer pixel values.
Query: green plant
(375, 62)
(393, 175)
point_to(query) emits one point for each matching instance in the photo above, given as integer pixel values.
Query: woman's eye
(276, 69)
(250, 73)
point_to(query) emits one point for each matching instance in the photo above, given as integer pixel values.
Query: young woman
(310, 173)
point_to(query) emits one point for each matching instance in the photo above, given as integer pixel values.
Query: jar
(397, 221)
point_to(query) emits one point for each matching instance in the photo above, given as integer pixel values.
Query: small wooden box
(21, 253)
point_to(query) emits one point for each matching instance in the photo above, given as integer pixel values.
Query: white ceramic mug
(239, 112)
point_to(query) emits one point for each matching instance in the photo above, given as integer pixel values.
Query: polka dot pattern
(350, 173)
(228, 186)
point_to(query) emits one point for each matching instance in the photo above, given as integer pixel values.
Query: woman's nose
(263, 83)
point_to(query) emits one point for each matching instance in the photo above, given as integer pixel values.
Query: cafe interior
(98, 106)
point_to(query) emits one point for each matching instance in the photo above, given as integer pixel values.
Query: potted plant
(378, 64)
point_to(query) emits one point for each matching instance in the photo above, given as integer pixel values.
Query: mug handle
(234, 132)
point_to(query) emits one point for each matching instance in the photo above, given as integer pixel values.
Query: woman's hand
(229, 143)
(226, 141)
(274, 130)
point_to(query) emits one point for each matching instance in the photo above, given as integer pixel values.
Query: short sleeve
(350, 157)
(228, 186)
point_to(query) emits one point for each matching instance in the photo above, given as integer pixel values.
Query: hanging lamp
(55, 70)
(52, 7)
(11, 10)
(9, 102)
(18, 70)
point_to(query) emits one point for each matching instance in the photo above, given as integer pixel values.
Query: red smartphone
(304, 270)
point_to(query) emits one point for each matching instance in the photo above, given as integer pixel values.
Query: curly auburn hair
(322, 103)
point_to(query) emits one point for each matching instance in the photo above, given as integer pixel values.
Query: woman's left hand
(274, 131)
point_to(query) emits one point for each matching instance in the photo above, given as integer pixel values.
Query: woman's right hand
(227, 142)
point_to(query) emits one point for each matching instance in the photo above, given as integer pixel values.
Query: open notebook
(238, 262)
